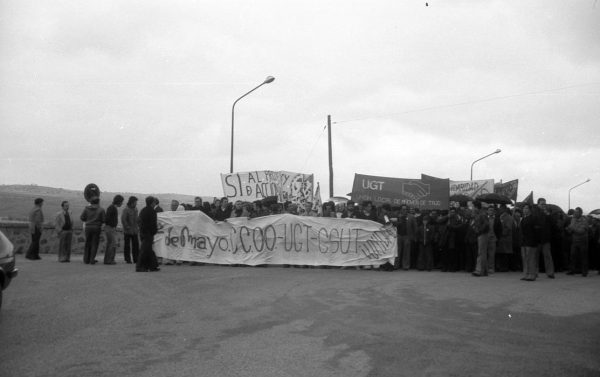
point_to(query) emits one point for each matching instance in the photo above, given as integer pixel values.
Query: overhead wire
(464, 103)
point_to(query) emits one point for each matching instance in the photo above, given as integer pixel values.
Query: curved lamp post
(268, 80)
(494, 152)
(586, 181)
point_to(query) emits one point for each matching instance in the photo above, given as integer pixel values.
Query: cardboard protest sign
(508, 189)
(472, 188)
(257, 185)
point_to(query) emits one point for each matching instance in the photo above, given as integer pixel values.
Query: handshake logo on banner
(416, 190)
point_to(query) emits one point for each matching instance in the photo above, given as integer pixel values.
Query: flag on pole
(318, 203)
(529, 198)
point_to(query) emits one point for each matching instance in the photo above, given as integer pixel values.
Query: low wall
(18, 234)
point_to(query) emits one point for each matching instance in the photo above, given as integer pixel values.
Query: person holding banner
(148, 228)
(223, 211)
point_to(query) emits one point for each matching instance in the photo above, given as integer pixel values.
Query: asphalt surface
(73, 319)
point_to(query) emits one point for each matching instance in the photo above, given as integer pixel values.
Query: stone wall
(18, 234)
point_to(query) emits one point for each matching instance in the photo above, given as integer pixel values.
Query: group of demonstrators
(136, 226)
(478, 238)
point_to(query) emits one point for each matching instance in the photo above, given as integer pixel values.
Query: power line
(313, 146)
(465, 103)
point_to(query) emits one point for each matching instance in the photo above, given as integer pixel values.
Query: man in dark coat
(93, 217)
(529, 239)
(148, 228)
(36, 221)
(110, 229)
(546, 229)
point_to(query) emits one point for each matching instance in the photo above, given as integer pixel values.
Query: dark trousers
(132, 248)
(64, 245)
(92, 240)
(425, 257)
(449, 260)
(147, 259)
(34, 248)
(579, 257)
(470, 256)
(111, 244)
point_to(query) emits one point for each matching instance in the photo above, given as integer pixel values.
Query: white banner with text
(278, 239)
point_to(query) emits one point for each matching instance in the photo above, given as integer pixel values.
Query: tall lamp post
(268, 80)
(586, 181)
(488, 155)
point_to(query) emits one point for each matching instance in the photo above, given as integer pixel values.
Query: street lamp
(268, 80)
(586, 181)
(494, 152)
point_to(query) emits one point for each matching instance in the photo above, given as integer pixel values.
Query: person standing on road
(546, 229)
(36, 220)
(93, 216)
(579, 244)
(481, 226)
(110, 228)
(64, 229)
(148, 228)
(529, 239)
(129, 219)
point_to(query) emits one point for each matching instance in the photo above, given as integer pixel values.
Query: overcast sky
(136, 96)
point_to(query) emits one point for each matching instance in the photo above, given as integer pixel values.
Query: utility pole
(330, 157)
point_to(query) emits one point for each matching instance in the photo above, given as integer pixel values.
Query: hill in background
(17, 200)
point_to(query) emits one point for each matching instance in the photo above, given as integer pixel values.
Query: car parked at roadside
(8, 271)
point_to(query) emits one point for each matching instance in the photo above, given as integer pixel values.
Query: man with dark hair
(64, 228)
(407, 229)
(529, 242)
(129, 219)
(93, 216)
(546, 229)
(110, 228)
(36, 220)
(148, 228)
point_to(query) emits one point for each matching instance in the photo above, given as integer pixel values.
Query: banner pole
(330, 157)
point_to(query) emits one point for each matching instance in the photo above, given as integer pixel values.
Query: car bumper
(9, 276)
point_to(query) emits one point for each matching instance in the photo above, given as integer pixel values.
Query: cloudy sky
(136, 96)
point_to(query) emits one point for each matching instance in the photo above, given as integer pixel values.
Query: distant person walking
(63, 224)
(129, 219)
(148, 228)
(110, 228)
(36, 220)
(93, 217)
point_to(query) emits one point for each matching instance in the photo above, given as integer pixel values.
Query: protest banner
(508, 189)
(257, 185)
(425, 193)
(277, 239)
(472, 188)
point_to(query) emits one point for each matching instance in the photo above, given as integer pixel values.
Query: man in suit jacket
(63, 224)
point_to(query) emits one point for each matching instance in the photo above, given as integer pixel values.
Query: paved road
(82, 320)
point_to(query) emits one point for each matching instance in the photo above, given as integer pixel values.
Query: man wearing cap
(36, 219)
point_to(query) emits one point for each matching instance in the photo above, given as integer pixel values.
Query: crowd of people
(478, 238)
